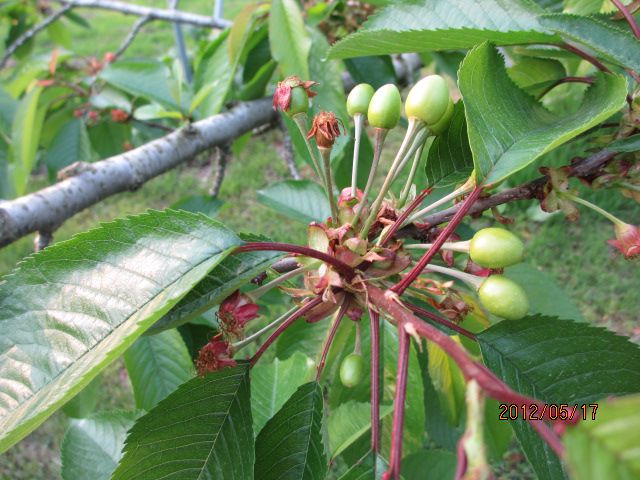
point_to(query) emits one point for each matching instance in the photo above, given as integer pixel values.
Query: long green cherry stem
(472, 280)
(358, 121)
(325, 153)
(452, 246)
(256, 293)
(464, 189)
(380, 134)
(405, 149)
(595, 208)
(301, 121)
(412, 175)
(254, 336)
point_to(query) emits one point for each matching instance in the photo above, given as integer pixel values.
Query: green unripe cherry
(385, 107)
(428, 99)
(352, 370)
(503, 297)
(495, 248)
(359, 99)
(299, 101)
(441, 125)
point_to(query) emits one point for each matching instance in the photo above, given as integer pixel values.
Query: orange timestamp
(548, 411)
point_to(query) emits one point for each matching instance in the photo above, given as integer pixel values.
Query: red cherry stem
(410, 277)
(628, 17)
(395, 456)
(490, 383)
(283, 326)
(376, 377)
(341, 267)
(401, 219)
(332, 333)
(441, 320)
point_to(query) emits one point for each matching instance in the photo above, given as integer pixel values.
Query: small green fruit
(385, 107)
(352, 370)
(359, 99)
(441, 125)
(428, 99)
(299, 101)
(495, 248)
(503, 297)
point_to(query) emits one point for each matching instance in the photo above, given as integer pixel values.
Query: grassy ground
(575, 255)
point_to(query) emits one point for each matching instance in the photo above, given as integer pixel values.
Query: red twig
(395, 457)
(488, 381)
(582, 54)
(401, 219)
(441, 320)
(587, 80)
(374, 322)
(409, 278)
(628, 17)
(283, 326)
(341, 267)
(332, 333)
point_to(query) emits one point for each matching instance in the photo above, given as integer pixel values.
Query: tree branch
(141, 22)
(46, 209)
(155, 13)
(32, 32)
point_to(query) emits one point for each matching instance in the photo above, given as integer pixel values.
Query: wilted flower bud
(215, 355)
(234, 313)
(292, 95)
(627, 239)
(325, 127)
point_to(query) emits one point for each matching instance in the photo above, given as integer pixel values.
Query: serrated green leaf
(288, 37)
(157, 365)
(449, 160)
(84, 403)
(25, 135)
(143, 78)
(429, 25)
(273, 383)
(301, 200)
(348, 422)
(558, 361)
(536, 75)
(199, 204)
(365, 470)
(546, 297)
(70, 145)
(609, 42)
(439, 463)
(583, 7)
(626, 145)
(608, 446)
(508, 129)
(70, 310)
(232, 273)
(92, 446)
(202, 430)
(290, 444)
(375, 70)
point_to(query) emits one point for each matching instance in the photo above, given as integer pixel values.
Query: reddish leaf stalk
(410, 277)
(283, 326)
(341, 267)
(332, 334)
(587, 80)
(490, 383)
(582, 54)
(395, 456)
(628, 17)
(376, 377)
(403, 217)
(441, 320)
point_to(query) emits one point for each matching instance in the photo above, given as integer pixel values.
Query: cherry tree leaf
(508, 129)
(606, 447)
(290, 444)
(301, 200)
(70, 310)
(288, 37)
(202, 430)
(562, 362)
(450, 24)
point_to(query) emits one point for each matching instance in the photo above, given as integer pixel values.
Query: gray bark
(46, 209)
